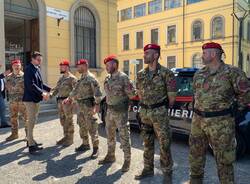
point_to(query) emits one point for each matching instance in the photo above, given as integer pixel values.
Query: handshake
(46, 96)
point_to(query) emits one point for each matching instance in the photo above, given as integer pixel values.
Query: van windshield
(184, 86)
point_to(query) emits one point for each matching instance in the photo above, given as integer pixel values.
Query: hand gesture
(96, 108)
(67, 101)
(45, 96)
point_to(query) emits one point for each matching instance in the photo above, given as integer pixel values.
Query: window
(217, 27)
(139, 40)
(171, 34)
(172, 4)
(248, 66)
(85, 36)
(140, 10)
(197, 30)
(126, 14)
(126, 67)
(197, 61)
(154, 6)
(171, 62)
(118, 16)
(126, 42)
(139, 66)
(248, 31)
(193, 1)
(154, 36)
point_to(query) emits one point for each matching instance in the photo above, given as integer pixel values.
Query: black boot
(95, 153)
(82, 148)
(34, 149)
(145, 173)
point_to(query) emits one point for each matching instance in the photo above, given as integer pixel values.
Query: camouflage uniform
(62, 90)
(153, 88)
(118, 89)
(15, 89)
(87, 92)
(216, 91)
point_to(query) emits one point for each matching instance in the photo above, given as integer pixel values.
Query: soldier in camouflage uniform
(88, 95)
(15, 89)
(118, 90)
(64, 86)
(156, 87)
(216, 86)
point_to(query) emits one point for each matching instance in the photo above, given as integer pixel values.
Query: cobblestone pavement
(57, 165)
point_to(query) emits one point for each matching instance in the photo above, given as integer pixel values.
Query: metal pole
(240, 61)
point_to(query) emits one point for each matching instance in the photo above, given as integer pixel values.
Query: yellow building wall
(58, 47)
(203, 11)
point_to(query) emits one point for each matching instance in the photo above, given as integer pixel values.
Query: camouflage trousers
(88, 124)
(118, 120)
(219, 132)
(17, 108)
(66, 118)
(156, 122)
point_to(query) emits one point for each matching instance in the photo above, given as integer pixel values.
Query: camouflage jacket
(64, 86)
(153, 89)
(87, 86)
(15, 86)
(215, 91)
(118, 88)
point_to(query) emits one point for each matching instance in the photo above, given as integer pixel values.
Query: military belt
(121, 107)
(213, 114)
(61, 98)
(90, 102)
(154, 106)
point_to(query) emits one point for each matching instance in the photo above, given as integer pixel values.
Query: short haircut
(35, 54)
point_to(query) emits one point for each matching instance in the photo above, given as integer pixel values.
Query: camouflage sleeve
(171, 84)
(8, 83)
(241, 87)
(55, 90)
(129, 87)
(73, 93)
(97, 91)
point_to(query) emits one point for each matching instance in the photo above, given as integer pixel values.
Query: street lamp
(240, 16)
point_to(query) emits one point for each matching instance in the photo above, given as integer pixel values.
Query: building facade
(71, 29)
(180, 27)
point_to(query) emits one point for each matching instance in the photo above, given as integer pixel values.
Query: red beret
(82, 61)
(64, 62)
(212, 45)
(109, 58)
(152, 46)
(16, 62)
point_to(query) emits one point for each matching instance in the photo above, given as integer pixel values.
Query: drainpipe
(183, 30)
(233, 34)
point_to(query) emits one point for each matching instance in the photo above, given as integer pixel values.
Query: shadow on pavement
(67, 166)
(100, 176)
(12, 156)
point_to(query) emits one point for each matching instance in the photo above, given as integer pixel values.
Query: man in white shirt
(4, 123)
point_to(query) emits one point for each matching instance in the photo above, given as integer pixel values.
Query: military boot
(95, 153)
(167, 178)
(68, 141)
(13, 136)
(145, 173)
(125, 166)
(195, 181)
(61, 141)
(82, 148)
(107, 159)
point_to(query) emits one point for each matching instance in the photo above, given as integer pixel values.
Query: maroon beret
(152, 46)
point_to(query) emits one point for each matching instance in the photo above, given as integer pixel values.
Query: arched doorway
(21, 28)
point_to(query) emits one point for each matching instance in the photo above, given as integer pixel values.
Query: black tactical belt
(119, 107)
(92, 99)
(154, 106)
(61, 98)
(213, 114)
